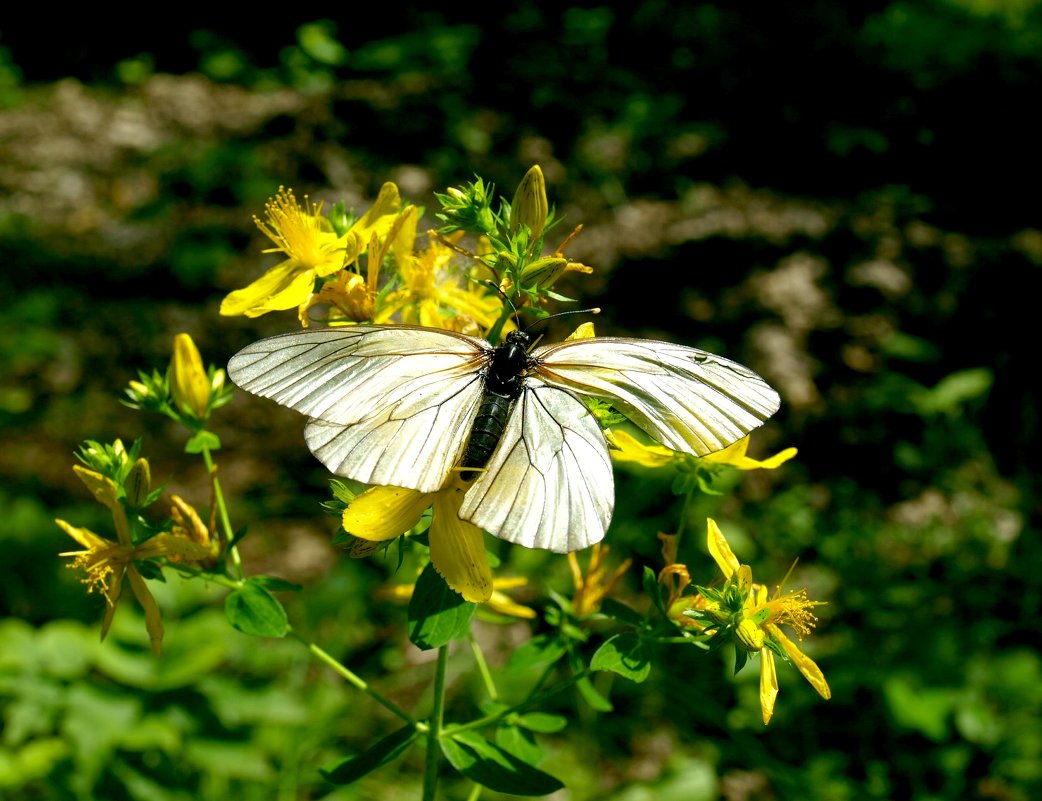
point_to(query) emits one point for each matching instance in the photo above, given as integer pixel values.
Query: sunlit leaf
(437, 614)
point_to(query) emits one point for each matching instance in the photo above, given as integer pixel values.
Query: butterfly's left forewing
(687, 399)
(388, 404)
(549, 482)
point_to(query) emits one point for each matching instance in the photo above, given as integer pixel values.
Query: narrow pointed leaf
(492, 767)
(385, 750)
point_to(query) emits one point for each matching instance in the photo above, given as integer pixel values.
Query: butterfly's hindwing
(549, 483)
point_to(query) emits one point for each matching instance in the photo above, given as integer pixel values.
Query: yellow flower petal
(720, 550)
(383, 513)
(378, 220)
(811, 672)
(768, 685)
(771, 462)
(584, 331)
(627, 448)
(153, 622)
(85, 537)
(505, 605)
(734, 455)
(282, 287)
(104, 489)
(458, 549)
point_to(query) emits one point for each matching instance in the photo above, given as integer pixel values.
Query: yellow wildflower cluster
(744, 611)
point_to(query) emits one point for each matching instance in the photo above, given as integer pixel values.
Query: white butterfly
(397, 405)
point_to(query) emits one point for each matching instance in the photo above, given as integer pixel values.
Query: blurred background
(840, 197)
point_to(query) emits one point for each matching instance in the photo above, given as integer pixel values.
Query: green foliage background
(834, 196)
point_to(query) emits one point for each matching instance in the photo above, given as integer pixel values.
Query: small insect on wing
(687, 399)
(549, 484)
(388, 405)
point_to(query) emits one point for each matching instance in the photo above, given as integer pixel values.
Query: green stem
(486, 675)
(434, 732)
(222, 512)
(684, 513)
(355, 680)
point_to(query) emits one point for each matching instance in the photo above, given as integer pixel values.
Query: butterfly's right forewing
(388, 404)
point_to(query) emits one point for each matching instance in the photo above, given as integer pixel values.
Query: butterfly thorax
(503, 382)
(506, 367)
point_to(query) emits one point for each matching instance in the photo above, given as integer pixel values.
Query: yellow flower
(189, 383)
(312, 248)
(433, 289)
(757, 626)
(457, 547)
(594, 586)
(106, 563)
(627, 448)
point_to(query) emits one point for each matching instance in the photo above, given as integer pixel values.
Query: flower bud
(187, 522)
(138, 483)
(188, 382)
(715, 612)
(530, 205)
(749, 636)
(543, 273)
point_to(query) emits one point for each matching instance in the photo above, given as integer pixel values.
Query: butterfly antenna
(594, 310)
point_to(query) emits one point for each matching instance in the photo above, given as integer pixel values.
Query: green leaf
(540, 650)
(437, 614)
(542, 722)
(255, 611)
(617, 610)
(519, 743)
(741, 656)
(492, 767)
(624, 654)
(654, 590)
(276, 584)
(149, 570)
(238, 536)
(385, 750)
(202, 440)
(953, 391)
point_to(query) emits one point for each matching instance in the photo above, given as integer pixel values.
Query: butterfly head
(518, 338)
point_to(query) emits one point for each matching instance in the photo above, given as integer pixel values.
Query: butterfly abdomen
(486, 432)
(504, 381)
